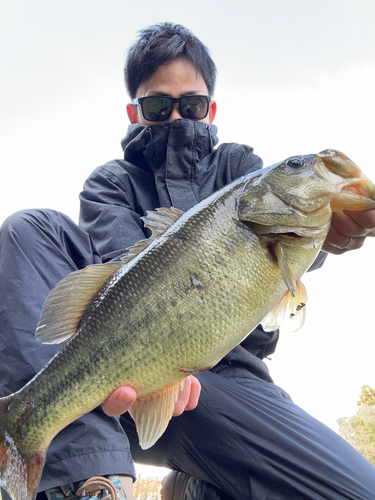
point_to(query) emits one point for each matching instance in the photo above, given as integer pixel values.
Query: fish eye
(295, 163)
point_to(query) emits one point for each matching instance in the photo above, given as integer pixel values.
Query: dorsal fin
(68, 301)
(159, 221)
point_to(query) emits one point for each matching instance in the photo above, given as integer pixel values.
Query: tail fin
(19, 472)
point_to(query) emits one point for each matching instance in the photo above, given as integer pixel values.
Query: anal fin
(152, 413)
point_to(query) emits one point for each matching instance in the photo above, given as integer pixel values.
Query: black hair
(161, 43)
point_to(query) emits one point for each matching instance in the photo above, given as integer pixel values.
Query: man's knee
(180, 486)
(21, 224)
(39, 232)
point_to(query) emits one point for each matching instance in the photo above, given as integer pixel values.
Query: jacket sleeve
(107, 213)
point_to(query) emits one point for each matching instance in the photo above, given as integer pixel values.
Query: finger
(347, 226)
(334, 244)
(188, 397)
(353, 244)
(183, 397)
(119, 401)
(365, 220)
(347, 231)
(195, 392)
(335, 240)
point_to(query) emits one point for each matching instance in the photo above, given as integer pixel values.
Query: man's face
(175, 79)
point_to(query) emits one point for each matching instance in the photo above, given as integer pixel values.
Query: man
(245, 438)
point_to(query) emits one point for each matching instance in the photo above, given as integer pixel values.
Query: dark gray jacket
(174, 164)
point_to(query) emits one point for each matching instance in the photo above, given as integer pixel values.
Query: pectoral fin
(152, 413)
(289, 311)
(285, 268)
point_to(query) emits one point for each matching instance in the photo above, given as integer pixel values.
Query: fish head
(297, 196)
(288, 207)
(353, 190)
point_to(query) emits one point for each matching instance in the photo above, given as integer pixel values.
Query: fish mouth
(352, 189)
(300, 206)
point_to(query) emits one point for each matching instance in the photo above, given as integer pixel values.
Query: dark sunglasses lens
(156, 109)
(194, 107)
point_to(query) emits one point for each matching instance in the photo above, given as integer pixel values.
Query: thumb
(119, 401)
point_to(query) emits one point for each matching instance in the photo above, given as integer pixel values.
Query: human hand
(119, 401)
(189, 396)
(349, 230)
(123, 397)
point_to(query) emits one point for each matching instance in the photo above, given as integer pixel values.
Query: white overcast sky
(294, 77)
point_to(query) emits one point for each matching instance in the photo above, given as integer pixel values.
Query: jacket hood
(148, 145)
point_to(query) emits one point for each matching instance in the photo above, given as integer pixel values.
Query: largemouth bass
(177, 303)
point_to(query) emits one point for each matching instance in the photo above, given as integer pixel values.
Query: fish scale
(175, 304)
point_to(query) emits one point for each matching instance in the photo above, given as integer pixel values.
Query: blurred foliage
(359, 430)
(367, 396)
(147, 488)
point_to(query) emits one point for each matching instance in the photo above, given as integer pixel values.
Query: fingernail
(124, 398)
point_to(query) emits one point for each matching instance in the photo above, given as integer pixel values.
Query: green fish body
(176, 304)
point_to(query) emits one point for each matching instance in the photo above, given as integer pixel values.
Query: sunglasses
(159, 108)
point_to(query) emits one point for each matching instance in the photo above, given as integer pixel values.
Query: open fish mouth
(353, 190)
(300, 204)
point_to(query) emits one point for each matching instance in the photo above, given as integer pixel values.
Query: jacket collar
(149, 145)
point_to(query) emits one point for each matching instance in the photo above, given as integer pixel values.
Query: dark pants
(37, 250)
(246, 437)
(251, 441)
